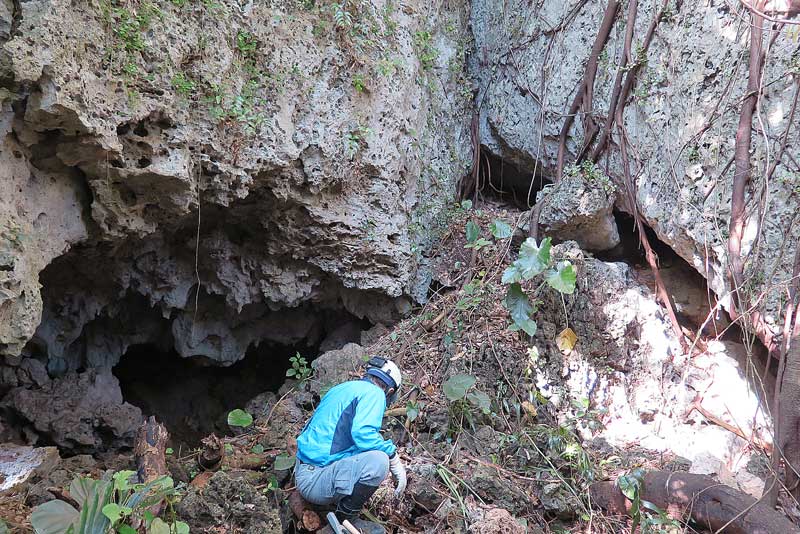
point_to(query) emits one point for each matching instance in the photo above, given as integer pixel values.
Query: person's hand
(398, 471)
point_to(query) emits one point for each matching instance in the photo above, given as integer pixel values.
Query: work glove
(398, 471)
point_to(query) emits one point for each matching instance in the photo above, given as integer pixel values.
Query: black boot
(351, 505)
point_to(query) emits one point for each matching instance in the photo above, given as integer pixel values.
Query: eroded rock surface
(81, 412)
(681, 120)
(230, 501)
(194, 184)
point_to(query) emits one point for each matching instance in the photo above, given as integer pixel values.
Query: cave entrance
(193, 398)
(503, 180)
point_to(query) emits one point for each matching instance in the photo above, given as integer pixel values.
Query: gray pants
(329, 484)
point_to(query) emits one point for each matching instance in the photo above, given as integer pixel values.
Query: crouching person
(341, 456)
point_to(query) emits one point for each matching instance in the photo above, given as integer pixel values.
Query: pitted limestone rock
(576, 209)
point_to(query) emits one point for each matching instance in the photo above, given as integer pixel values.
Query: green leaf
(240, 418)
(473, 232)
(80, 487)
(126, 529)
(181, 527)
(533, 259)
(169, 450)
(500, 229)
(257, 449)
(520, 308)
(562, 278)
(466, 204)
(53, 517)
(158, 526)
(412, 411)
(4, 527)
(629, 486)
(112, 511)
(291, 372)
(480, 400)
(283, 462)
(121, 480)
(456, 387)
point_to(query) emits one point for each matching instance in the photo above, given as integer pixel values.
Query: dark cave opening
(193, 399)
(505, 181)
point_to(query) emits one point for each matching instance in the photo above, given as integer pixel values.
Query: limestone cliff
(210, 175)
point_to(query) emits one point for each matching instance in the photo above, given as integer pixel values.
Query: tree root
(711, 505)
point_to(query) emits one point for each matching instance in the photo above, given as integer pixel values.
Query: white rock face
(190, 178)
(681, 120)
(629, 366)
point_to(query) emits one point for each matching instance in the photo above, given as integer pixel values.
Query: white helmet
(387, 371)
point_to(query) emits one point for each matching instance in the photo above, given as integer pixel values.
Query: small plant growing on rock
(245, 42)
(300, 368)
(183, 84)
(592, 174)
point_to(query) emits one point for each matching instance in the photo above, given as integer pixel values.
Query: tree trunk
(712, 505)
(150, 450)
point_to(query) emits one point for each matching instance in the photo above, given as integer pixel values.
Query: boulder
(336, 366)
(229, 500)
(579, 208)
(79, 412)
(497, 521)
(19, 465)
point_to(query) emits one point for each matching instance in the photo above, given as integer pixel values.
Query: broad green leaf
(257, 449)
(480, 400)
(520, 308)
(511, 275)
(240, 418)
(92, 520)
(80, 487)
(500, 229)
(126, 529)
(158, 526)
(53, 517)
(473, 232)
(122, 480)
(169, 450)
(562, 278)
(533, 259)
(112, 511)
(466, 204)
(181, 527)
(456, 387)
(283, 462)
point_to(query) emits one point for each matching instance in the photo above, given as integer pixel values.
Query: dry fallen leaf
(566, 340)
(529, 408)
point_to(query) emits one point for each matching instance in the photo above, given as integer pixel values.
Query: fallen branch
(711, 505)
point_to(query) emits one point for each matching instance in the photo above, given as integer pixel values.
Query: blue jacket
(347, 422)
